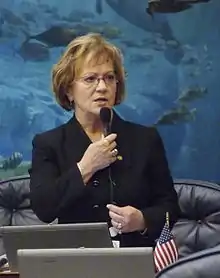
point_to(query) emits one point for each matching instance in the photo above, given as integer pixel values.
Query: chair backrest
(198, 227)
(203, 264)
(15, 208)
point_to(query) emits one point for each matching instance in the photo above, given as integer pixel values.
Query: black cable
(112, 185)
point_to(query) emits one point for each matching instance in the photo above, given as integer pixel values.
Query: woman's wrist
(85, 171)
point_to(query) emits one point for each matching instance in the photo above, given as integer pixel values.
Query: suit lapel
(121, 128)
(76, 141)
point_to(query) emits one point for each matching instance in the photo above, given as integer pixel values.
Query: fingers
(105, 150)
(111, 137)
(108, 140)
(116, 217)
(112, 146)
(115, 209)
(114, 152)
(117, 225)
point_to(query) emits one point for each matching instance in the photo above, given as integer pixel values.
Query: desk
(9, 275)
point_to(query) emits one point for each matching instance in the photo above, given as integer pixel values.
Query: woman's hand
(126, 219)
(99, 155)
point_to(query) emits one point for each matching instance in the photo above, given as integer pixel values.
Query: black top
(142, 178)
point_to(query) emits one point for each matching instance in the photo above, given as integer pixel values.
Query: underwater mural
(172, 60)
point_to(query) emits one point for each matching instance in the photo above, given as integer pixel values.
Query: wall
(173, 75)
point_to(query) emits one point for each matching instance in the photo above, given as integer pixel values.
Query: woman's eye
(90, 79)
(110, 77)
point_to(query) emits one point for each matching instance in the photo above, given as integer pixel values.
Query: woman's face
(94, 88)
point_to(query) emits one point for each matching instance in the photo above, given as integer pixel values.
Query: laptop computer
(87, 263)
(89, 235)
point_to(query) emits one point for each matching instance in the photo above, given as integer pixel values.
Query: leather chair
(15, 204)
(197, 232)
(198, 227)
(203, 264)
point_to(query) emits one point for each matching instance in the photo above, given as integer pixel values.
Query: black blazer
(141, 179)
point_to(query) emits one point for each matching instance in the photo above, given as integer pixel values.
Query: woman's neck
(91, 125)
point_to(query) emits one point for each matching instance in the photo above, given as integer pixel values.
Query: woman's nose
(101, 86)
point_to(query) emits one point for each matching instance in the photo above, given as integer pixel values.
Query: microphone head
(105, 115)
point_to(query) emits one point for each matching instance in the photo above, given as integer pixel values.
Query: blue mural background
(172, 63)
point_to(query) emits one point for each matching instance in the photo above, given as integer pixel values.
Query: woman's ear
(70, 97)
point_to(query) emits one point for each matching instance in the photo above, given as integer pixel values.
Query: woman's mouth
(101, 100)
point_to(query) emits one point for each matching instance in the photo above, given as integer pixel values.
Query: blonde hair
(71, 62)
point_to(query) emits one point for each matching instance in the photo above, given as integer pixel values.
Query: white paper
(113, 232)
(116, 243)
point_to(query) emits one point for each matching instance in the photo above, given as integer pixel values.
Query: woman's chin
(102, 103)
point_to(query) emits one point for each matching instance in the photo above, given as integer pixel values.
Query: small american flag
(166, 251)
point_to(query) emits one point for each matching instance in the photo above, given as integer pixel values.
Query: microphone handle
(107, 130)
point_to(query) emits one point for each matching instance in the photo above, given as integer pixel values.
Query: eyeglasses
(94, 79)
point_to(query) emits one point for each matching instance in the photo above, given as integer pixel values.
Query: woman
(78, 175)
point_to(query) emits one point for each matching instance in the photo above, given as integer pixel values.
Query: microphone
(105, 116)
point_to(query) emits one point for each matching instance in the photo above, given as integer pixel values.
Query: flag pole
(167, 219)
